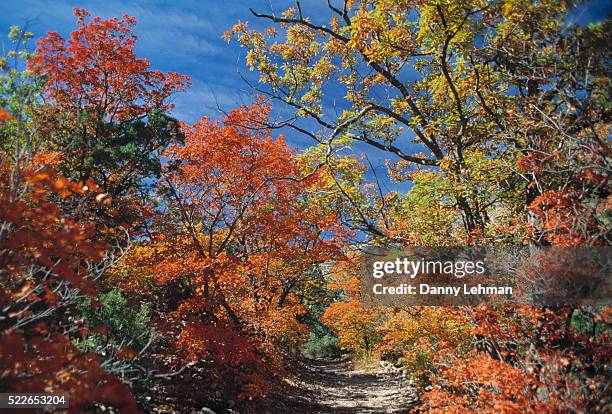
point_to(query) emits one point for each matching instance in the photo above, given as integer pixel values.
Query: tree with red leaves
(96, 72)
(109, 108)
(234, 242)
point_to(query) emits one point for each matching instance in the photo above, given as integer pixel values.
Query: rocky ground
(314, 387)
(334, 386)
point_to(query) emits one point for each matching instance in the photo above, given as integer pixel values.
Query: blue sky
(185, 36)
(180, 36)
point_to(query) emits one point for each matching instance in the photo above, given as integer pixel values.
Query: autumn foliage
(235, 238)
(43, 257)
(96, 71)
(510, 104)
(222, 248)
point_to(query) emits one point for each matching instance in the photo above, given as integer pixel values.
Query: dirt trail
(335, 387)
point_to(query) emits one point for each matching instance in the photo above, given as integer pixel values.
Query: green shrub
(121, 325)
(584, 322)
(325, 346)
